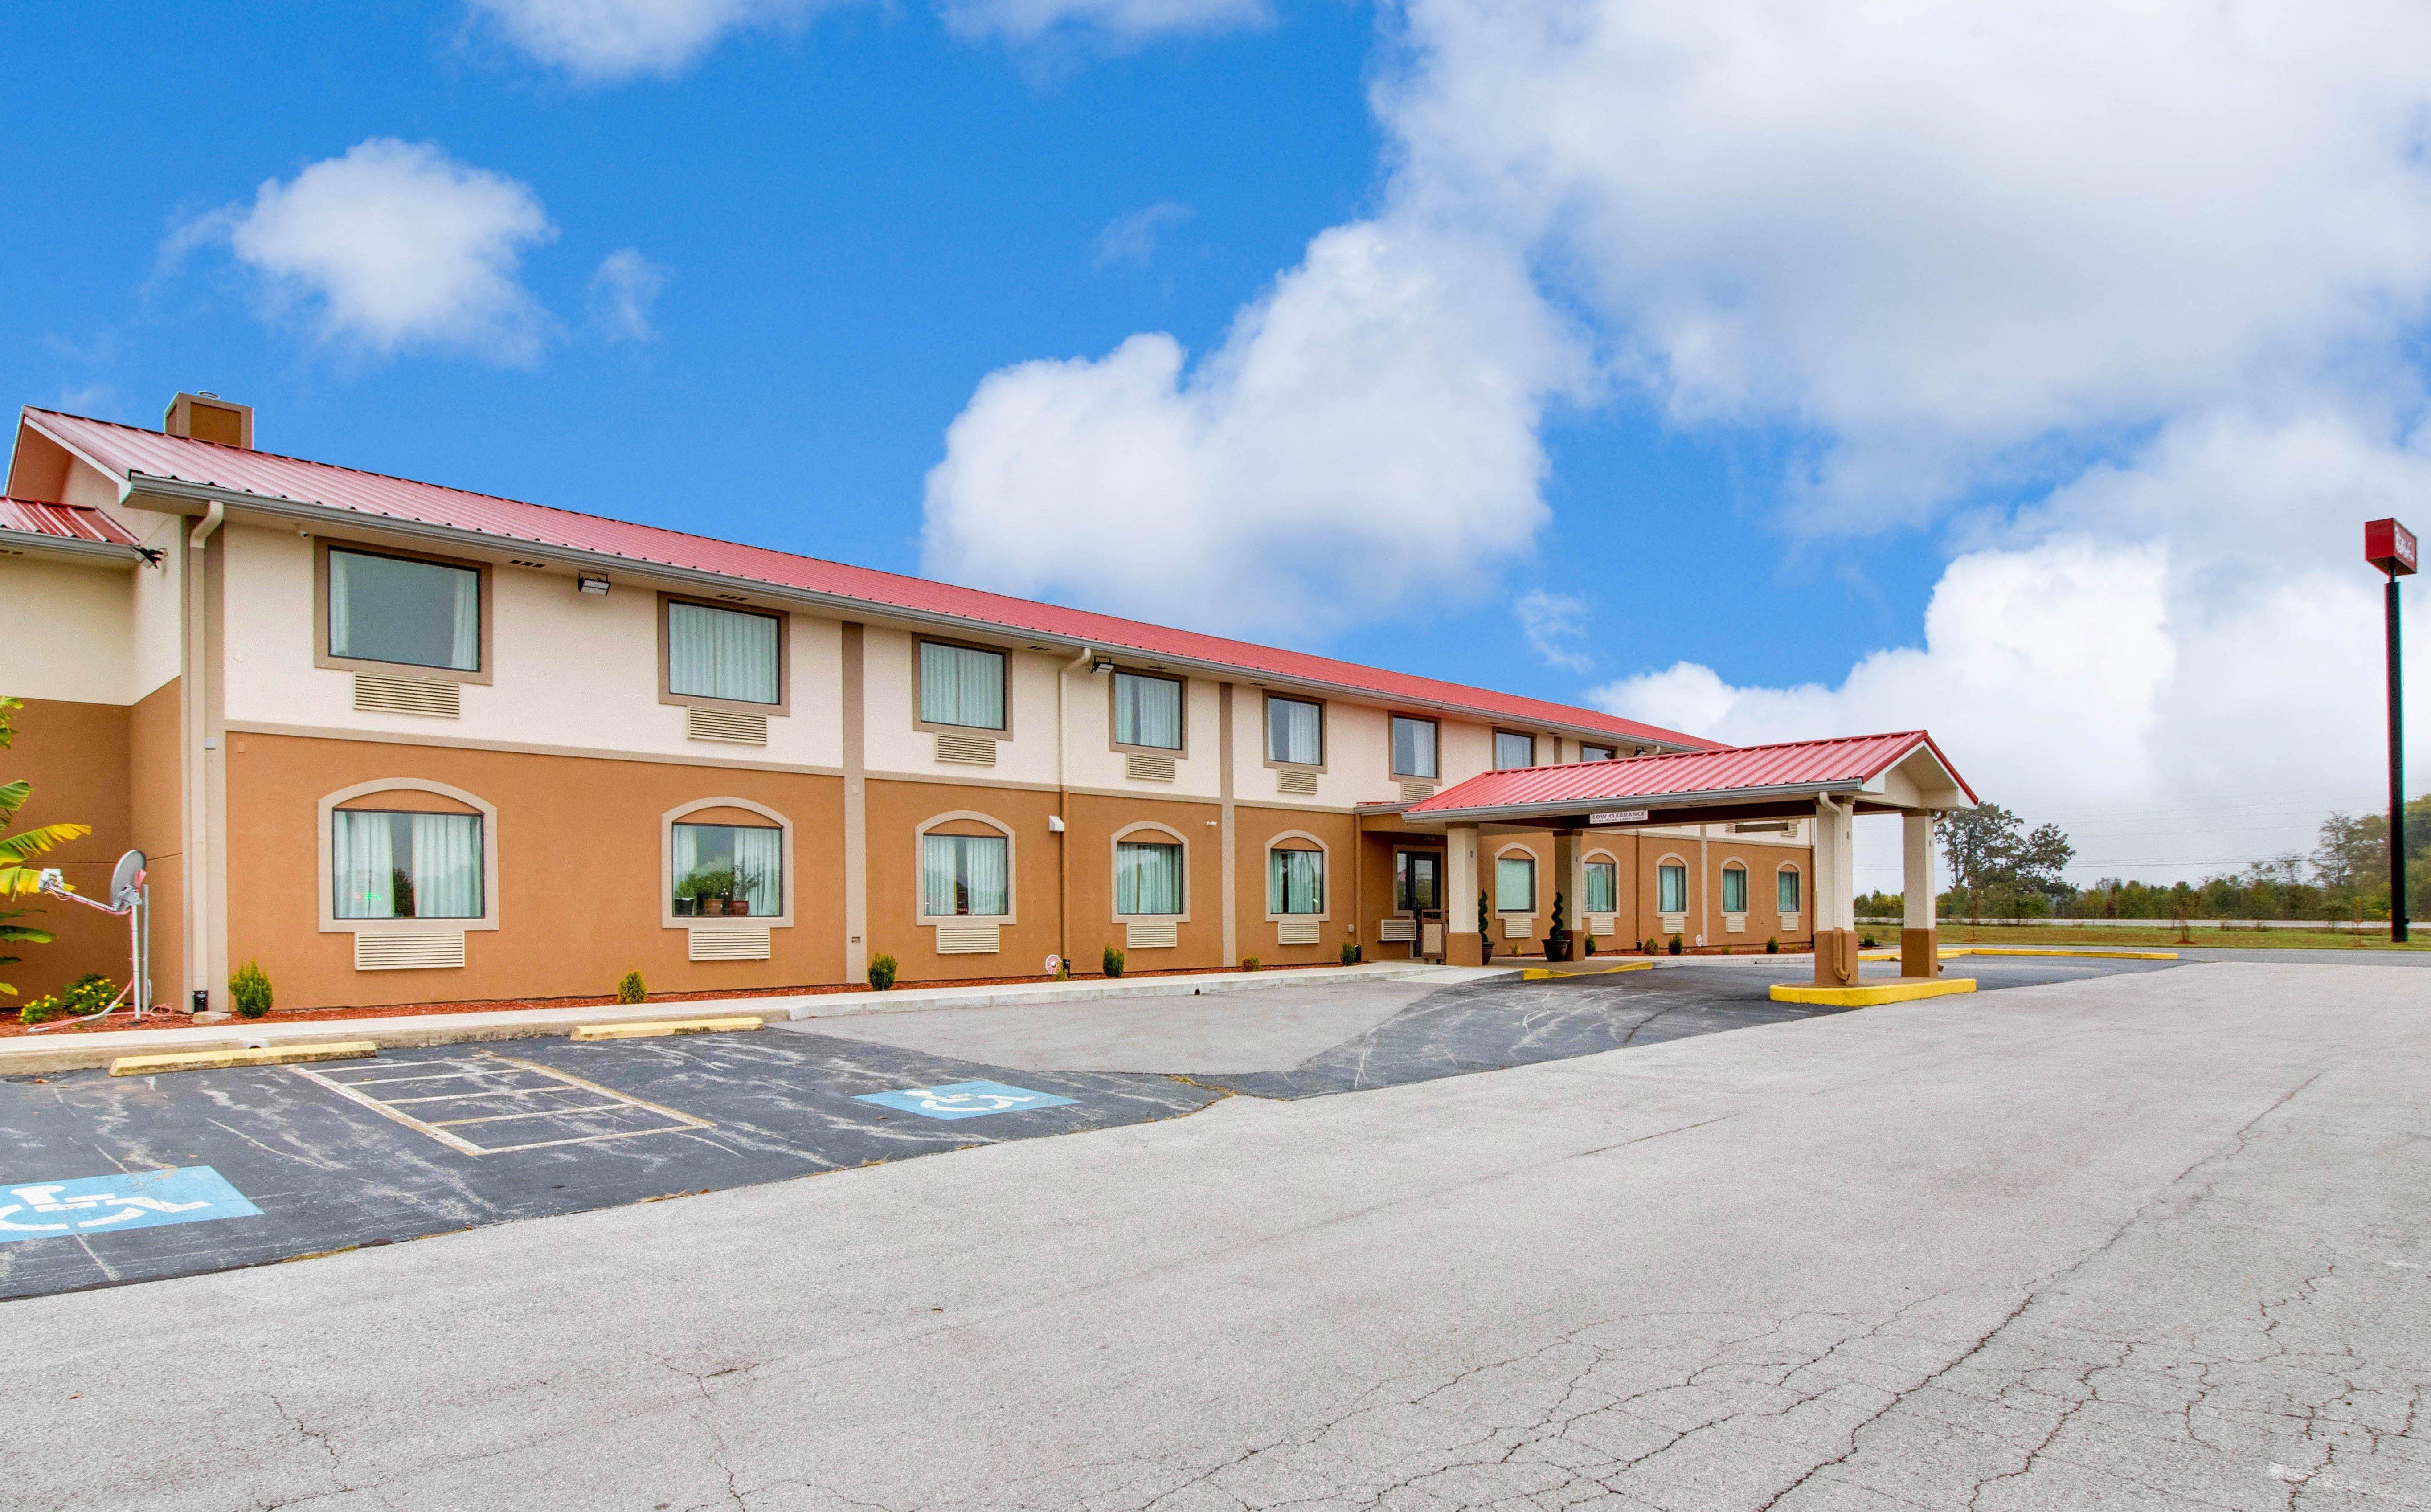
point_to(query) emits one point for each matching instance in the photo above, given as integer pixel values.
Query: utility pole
(2390, 547)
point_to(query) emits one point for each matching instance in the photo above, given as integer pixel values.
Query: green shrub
(249, 990)
(1589, 949)
(1350, 952)
(1675, 945)
(629, 988)
(1868, 942)
(882, 972)
(1652, 945)
(1112, 962)
(1249, 963)
(86, 996)
(1772, 946)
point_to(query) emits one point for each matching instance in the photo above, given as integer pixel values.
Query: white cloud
(1367, 431)
(1132, 238)
(622, 293)
(395, 245)
(1553, 625)
(1129, 21)
(603, 41)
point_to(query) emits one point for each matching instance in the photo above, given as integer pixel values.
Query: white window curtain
(1671, 889)
(1514, 751)
(421, 613)
(964, 874)
(683, 855)
(1414, 748)
(1603, 887)
(447, 865)
(363, 864)
(758, 862)
(1293, 731)
(721, 653)
(960, 685)
(1788, 885)
(1514, 885)
(1733, 890)
(1148, 877)
(1148, 711)
(1295, 882)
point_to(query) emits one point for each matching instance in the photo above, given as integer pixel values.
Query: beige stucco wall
(70, 634)
(1092, 761)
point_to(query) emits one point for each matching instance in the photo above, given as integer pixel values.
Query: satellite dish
(126, 882)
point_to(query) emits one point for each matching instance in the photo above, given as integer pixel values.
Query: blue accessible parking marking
(963, 1099)
(105, 1204)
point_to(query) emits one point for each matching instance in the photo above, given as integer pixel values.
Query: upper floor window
(1148, 711)
(962, 685)
(1512, 750)
(1295, 732)
(1414, 748)
(726, 868)
(1596, 753)
(965, 875)
(396, 609)
(1147, 877)
(389, 865)
(1603, 890)
(722, 653)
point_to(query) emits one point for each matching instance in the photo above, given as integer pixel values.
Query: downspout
(196, 826)
(1062, 815)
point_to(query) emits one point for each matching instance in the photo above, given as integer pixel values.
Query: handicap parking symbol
(107, 1204)
(963, 1099)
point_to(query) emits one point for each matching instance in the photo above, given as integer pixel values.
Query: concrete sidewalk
(37, 1054)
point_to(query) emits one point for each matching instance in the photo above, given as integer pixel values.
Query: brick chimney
(209, 417)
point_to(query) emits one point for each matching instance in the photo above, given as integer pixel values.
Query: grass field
(2161, 934)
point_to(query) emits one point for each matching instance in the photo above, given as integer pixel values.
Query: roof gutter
(66, 545)
(1499, 812)
(295, 509)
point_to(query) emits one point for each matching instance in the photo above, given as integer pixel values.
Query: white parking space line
(489, 1066)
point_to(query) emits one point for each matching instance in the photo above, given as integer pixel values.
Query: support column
(1836, 895)
(1570, 881)
(1919, 945)
(856, 809)
(1463, 945)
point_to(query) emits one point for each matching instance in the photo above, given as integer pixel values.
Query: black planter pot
(1557, 946)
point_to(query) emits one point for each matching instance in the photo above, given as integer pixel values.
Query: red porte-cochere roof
(1849, 762)
(126, 451)
(65, 521)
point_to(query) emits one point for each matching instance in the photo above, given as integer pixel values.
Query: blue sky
(1952, 378)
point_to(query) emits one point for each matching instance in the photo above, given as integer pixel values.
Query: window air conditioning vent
(1417, 792)
(1151, 934)
(729, 943)
(733, 728)
(1142, 768)
(1300, 929)
(1397, 930)
(967, 939)
(1518, 927)
(380, 694)
(1303, 783)
(966, 751)
(408, 952)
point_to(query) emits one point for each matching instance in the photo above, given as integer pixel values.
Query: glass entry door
(1418, 892)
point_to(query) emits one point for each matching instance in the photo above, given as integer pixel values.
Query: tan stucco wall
(75, 756)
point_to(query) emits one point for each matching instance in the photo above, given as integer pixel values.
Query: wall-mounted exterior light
(591, 582)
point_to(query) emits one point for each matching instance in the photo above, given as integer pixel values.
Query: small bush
(882, 972)
(1675, 945)
(1589, 949)
(1112, 962)
(86, 996)
(43, 1010)
(1249, 963)
(1650, 945)
(1868, 942)
(249, 990)
(1772, 946)
(630, 988)
(1350, 952)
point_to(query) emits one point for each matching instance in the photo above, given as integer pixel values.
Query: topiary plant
(882, 972)
(249, 990)
(1485, 929)
(1112, 962)
(629, 988)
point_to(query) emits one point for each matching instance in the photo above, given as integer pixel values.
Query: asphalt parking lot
(276, 1163)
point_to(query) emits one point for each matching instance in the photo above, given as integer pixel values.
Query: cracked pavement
(2136, 1241)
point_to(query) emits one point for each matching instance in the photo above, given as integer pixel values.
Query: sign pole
(2390, 547)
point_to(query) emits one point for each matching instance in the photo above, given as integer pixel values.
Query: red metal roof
(125, 450)
(1851, 761)
(67, 522)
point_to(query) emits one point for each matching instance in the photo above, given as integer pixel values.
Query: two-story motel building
(400, 743)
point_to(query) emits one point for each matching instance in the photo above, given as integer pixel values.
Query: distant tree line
(1998, 868)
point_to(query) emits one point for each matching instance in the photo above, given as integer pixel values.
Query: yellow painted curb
(1867, 997)
(345, 1049)
(1539, 973)
(659, 1028)
(2090, 956)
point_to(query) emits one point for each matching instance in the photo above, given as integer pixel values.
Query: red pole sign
(2390, 547)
